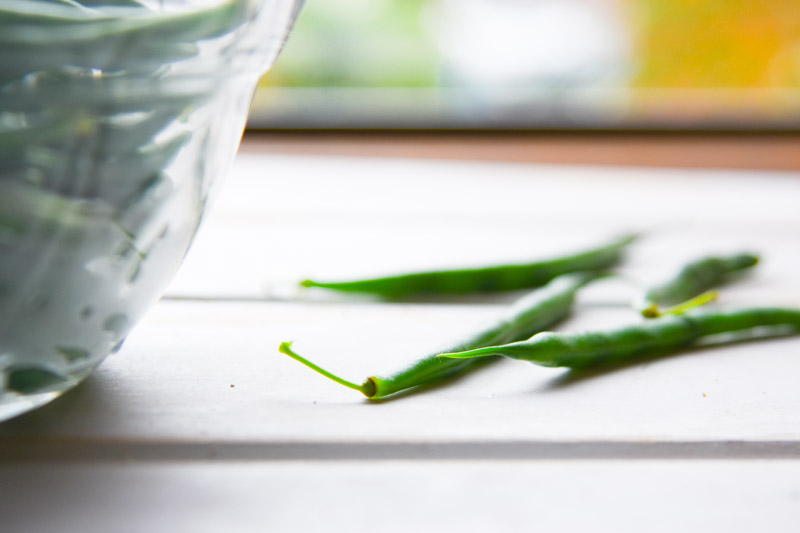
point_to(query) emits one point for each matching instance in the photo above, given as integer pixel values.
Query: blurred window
(537, 64)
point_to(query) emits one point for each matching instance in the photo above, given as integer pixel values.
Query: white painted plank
(210, 372)
(284, 218)
(577, 496)
(280, 219)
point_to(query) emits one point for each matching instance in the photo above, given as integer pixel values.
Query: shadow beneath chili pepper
(408, 393)
(574, 377)
(507, 298)
(457, 299)
(435, 385)
(323, 296)
(577, 376)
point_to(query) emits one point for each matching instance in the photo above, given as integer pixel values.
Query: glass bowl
(117, 119)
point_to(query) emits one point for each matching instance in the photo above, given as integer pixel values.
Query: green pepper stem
(698, 301)
(651, 310)
(286, 348)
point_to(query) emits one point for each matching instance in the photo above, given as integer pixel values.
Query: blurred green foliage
(346, 43)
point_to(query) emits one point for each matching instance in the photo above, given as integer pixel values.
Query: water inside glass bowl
(117, 118)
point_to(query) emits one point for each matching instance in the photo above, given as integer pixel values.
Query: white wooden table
(198, 424)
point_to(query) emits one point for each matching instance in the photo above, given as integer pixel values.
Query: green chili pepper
(654, 337)
(539, 310)
(688, 288)
(486, 279)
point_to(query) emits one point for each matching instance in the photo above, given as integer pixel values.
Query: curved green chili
(486, 279)
(654, 337)
(693, 281)
(534, 312)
